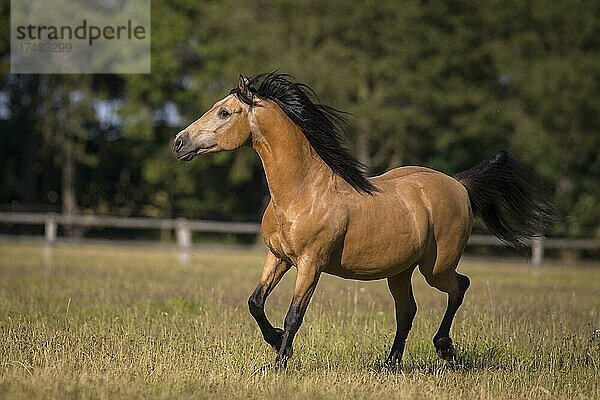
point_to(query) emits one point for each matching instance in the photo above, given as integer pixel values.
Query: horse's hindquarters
(422, 215)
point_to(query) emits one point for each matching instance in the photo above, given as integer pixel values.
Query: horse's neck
(294, 170)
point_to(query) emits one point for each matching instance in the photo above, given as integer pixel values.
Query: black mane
(322, 125)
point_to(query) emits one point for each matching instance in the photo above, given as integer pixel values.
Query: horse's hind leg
(401, 288)
(455, 285)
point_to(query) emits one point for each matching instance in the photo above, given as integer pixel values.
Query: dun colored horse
(326, 216)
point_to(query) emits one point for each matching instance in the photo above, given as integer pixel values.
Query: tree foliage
(434, 83)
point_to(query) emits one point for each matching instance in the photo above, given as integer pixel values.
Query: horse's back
(441, 192)
(400, 172)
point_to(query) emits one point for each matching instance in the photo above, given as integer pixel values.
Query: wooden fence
(184, 228)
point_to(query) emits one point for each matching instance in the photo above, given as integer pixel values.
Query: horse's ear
(244, 88)
(244, 85)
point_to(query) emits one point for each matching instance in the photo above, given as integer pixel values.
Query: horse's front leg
(273, 270)
(306, 282)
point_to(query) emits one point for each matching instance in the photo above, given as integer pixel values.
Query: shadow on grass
(472, 358)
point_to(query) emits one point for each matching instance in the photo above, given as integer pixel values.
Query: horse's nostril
(178, 144)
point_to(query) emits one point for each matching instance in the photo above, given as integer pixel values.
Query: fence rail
(184, 228)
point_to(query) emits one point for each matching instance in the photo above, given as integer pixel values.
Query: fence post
(184, 240)
(50, 235)
(537, 250)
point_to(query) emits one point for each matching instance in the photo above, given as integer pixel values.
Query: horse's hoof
(281, 363)
(391, 366)
(444, 349)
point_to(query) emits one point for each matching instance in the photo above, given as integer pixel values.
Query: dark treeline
(435, 83)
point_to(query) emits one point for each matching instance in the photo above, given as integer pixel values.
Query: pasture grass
(111, 323)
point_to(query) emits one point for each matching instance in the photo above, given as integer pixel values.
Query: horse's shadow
(489, 356)
(466, 360)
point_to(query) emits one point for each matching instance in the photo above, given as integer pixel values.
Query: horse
(326, 216)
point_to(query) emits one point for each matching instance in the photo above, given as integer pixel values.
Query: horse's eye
(224, 113)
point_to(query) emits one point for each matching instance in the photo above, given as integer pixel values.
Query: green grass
(103, 322)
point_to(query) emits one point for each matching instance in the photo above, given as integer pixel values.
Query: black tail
(507, 200)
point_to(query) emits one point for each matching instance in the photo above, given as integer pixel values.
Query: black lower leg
(306, 282)
(441, 340)
(256, 304)
(406, 308)
(292, 323)
(404, 324)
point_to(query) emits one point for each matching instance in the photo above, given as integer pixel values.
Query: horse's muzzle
(186, 146)
(182, 146)
(177, 144)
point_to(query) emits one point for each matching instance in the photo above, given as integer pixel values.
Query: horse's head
(225, 126)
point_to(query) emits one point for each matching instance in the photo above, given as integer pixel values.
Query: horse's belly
(375, 261)
(360, 272)
(379, 245)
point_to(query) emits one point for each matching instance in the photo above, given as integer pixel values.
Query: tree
(435, 83)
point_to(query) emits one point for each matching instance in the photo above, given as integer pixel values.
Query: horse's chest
(288, 239)
(284, 241)
(280, 248)
(306, 232)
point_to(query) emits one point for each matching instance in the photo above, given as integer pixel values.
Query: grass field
(112, 323)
